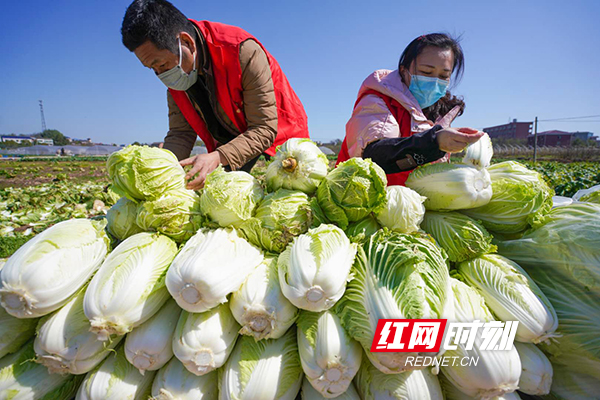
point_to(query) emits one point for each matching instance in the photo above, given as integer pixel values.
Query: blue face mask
(427, 90)
(176, 78)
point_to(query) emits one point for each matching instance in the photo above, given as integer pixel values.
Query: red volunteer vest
(223, 44)
(403, 118)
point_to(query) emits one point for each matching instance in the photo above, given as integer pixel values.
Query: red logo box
(408, 335)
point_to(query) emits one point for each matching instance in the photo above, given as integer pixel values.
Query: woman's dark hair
(444, 42)
(157, 21)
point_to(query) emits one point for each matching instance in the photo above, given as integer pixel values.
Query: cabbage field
(118, 282)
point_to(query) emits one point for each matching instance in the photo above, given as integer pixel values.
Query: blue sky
(523, 58)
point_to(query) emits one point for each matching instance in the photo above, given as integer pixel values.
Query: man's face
(163, 60)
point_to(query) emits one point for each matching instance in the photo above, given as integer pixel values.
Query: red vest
(403, 118)
(223, 44)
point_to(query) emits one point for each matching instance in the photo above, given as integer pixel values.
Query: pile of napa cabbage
(245, 290)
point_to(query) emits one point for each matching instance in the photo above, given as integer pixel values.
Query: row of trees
(58, 138)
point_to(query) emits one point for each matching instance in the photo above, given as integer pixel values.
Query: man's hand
(453, 140)
(202, 164)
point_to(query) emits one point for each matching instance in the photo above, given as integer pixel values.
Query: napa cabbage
(298, 164)
(353, 190)
(230, 198)
(451, 186)
(395, 276)
(521, 199)
(404, 210)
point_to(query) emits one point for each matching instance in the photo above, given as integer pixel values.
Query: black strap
(405, 153)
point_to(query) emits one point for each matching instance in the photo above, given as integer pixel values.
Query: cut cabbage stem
(203, 362)
(143, 361)
(190, 294)
(289, 164)
(17, 302)
(104, 329)
(315, 294)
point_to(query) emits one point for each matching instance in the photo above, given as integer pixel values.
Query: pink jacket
(372, 120)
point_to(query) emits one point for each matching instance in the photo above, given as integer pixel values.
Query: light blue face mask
(176, 78)
(427, 90)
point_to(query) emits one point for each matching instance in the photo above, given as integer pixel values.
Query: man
(223, 87)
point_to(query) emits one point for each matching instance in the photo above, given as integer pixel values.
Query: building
(17, 139)
(552, 139)
(49, 142)
(512, 130)
(585, 136)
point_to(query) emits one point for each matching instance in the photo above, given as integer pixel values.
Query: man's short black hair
(155, 20)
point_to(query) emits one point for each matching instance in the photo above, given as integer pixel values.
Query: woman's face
(433, 62)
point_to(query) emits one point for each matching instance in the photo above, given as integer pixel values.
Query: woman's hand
(453, 140)
(202, 164)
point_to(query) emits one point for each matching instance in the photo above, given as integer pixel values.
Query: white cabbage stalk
(480, 153)
(561, 201)
(310, 393)
(64, 343)
(315, 267)
(451, 186)
(266, 369)
(512, 296)
(129, 286)
(372, 384)
(396, 276)
(149, 346)
(330, 357)
(116, 379)
(22, 379)
(203, 341)
(536, 373)
(591, 194)
(212, 264)
(230, 198)
(404, 210)
(260, 307)
(47, 270)
(451, 392)
(298, 164)
(14, 332)
(496, 372)
(175, 382)
(121, 219)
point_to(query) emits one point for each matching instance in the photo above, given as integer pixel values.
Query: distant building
(49, 142)
(585, 136)
(512, 130)
(17, 139)
(552, 139)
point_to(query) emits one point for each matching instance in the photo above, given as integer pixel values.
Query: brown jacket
(260, 109)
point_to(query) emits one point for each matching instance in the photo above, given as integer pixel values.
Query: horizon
(522, 63)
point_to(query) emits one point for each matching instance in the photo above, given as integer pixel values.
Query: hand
(453, 140)
(202, 164)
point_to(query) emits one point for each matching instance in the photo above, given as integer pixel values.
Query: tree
(58, 138)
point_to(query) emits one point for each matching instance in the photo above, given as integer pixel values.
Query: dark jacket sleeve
(403, 154)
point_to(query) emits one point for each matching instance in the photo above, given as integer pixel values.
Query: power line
(570, 118)
(544, 120)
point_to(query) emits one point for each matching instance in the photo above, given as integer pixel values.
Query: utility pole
(42, 112)
(535, 141)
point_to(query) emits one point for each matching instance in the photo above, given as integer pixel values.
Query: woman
(392, 119)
